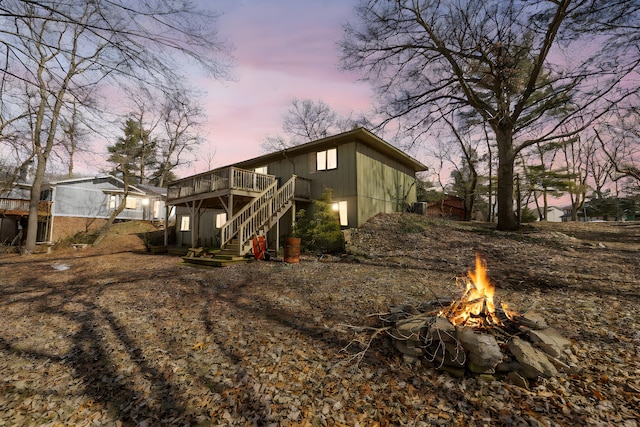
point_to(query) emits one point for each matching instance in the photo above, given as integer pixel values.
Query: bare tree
(307, 120)
(500, 59)
(577, 157)
(172, 119)
(619, 140)
(181, 119)
(466, 175)
(74, 135)
(60, 50)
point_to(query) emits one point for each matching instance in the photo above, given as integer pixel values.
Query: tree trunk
(490, 195)
(107, 226)
(34, 203)
(506, 158)
(123, 203)
(471, 198)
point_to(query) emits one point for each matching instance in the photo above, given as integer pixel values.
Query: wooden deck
(208, 186)
(20, 207)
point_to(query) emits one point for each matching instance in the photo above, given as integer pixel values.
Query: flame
(511, 314)
(476, 307)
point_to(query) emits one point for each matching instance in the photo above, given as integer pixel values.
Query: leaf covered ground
(114, 336)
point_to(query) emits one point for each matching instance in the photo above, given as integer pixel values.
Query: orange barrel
(292, 250)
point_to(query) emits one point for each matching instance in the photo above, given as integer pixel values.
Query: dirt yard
(117, 337)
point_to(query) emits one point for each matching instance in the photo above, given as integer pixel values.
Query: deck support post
(166, 224)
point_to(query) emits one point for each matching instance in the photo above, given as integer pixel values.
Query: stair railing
(249, 220)
(230, 229)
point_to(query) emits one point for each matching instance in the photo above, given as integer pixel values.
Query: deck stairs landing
(256, 218)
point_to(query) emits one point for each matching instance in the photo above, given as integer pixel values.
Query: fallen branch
(360, 355)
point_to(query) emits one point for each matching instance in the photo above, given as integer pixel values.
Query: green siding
(341, 180)
(370, 176)
(369, 181)
(383, 184)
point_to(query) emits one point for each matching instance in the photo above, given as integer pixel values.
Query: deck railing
(21, 206)
(220, 179)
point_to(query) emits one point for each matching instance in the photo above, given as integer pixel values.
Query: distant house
(229, 206)
(14, 211)
(83, 204)
(451, 207)
(554, 214)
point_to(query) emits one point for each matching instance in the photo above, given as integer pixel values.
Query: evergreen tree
(128, 156)
(132, 154)
(321, 231)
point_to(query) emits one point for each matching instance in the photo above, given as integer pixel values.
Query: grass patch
(413, 224)
(81, 237)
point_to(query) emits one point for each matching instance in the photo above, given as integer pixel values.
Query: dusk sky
(283, 49)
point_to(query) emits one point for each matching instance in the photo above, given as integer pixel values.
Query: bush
(528, 215)
(322, 231)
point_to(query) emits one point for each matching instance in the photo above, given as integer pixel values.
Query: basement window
(185, 223)
(327, 159)
(221, 218)
(341, 208)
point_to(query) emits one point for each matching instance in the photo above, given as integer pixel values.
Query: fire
(476, 307)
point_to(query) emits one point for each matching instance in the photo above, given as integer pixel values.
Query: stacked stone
(544, 353)
(460, 349)
(407, 336)
(444, 350)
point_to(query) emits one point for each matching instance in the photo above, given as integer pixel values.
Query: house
(554, 214)
(229, 206)
(83, 204)
(14, 210)
(450, 206)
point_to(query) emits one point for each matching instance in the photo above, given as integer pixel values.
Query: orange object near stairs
(259, 247)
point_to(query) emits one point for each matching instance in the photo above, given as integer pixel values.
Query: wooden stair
(222, 258)
(257, 217)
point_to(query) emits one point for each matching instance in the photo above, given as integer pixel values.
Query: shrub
(321, 232)
(528, 215)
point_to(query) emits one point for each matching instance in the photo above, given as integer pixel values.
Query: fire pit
(470, 336)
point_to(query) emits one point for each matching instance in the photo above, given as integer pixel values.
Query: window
(327, 159)
(341, 208)
(221, 218)
(132, 202)
(112, 201)
(185, 223)
(261, 169)
(157, 213)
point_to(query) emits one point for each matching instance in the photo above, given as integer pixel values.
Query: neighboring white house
(554, 214)
(81, 204)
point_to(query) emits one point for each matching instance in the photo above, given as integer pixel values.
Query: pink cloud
(284, 49)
